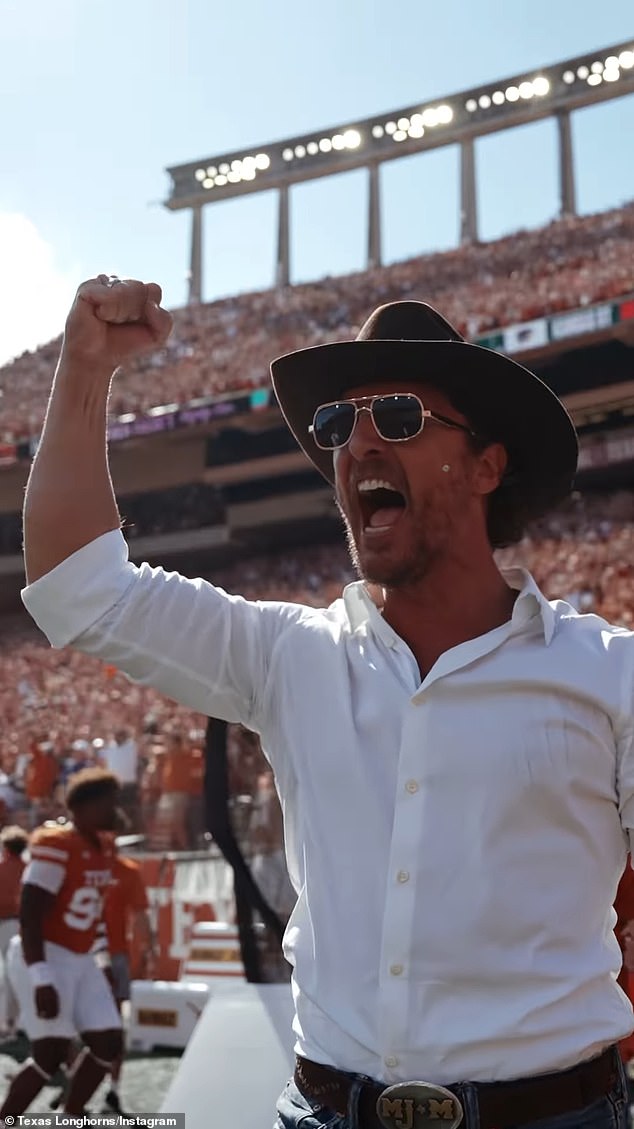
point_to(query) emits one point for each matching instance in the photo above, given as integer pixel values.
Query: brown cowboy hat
(501, 399)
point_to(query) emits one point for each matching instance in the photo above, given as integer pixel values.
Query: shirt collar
(363, 612)
(530, 602)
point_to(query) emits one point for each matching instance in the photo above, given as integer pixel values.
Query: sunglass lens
(333, 425)
(397, 417)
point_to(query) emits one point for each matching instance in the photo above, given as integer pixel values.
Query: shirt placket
(400, 896)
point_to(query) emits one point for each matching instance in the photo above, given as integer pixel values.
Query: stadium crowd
(62, 710)
(172, 510)
(227, 345)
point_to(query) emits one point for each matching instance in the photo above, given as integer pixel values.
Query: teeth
(368, 484)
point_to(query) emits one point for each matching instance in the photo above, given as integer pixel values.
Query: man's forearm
(69, 497)
(33, 944)
(34, 905)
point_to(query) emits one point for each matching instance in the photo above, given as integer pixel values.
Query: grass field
(144, 1081)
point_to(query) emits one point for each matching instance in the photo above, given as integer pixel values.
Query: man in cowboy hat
(454, 752)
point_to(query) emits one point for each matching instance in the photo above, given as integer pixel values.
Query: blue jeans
(294, 1111)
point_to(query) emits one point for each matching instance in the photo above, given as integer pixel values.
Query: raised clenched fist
(113, 320)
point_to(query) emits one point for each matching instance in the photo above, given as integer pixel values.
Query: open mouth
(381, 503)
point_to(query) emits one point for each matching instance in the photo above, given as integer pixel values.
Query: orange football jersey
(78, 907)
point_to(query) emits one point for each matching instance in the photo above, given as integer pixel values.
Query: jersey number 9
(84, 908)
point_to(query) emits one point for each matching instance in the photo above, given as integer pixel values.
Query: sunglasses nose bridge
(363, 434)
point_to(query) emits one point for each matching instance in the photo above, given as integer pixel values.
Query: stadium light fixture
(414, 126)
(338, 143)
(529, 88)
(245, 168)
(569, 84)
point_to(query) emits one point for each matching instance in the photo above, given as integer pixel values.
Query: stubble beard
(434, 528)
(390, 573)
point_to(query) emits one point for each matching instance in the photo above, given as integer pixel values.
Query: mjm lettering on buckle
(418, 1105)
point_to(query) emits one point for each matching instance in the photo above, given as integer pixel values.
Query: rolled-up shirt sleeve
(206, 649)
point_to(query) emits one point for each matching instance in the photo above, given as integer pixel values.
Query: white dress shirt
(456, 844)
(122, 760)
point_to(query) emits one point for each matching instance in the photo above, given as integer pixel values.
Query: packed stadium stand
(227, 345)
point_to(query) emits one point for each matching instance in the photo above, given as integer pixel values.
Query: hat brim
(502, 400)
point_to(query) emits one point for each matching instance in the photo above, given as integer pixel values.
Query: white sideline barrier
(164, 1012)
(238, 1060)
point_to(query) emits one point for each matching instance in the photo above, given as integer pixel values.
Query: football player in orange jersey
(62, 991)
(125, 914)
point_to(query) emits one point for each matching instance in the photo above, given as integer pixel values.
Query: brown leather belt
(500, 1104)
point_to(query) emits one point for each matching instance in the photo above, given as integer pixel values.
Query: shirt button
(403, 876)
(396, 969)
(412, 786)
(391, 1060)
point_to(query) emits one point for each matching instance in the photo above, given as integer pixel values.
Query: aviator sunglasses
(396, 417)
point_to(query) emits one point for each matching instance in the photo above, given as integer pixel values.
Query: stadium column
(374, 217)
(468, 193)
(283, 270)
(196, 258)
(567, 201)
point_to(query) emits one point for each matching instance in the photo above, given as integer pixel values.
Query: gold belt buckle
(418, 1105)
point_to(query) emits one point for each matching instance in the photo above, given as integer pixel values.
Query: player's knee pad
(44, 1075)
